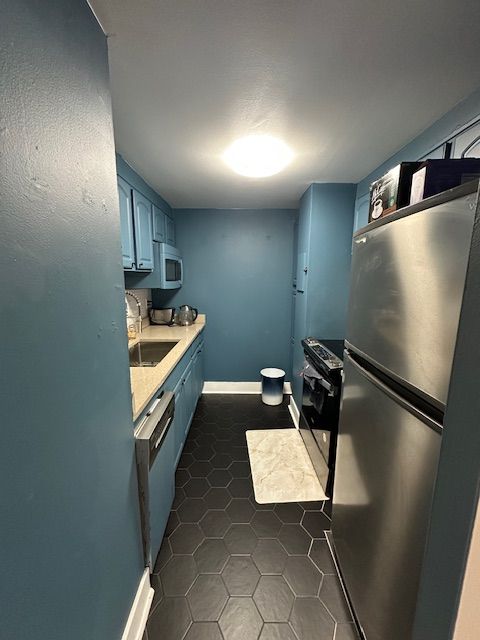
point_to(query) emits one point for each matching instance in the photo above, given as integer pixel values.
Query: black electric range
(319, 414)
(326, 354)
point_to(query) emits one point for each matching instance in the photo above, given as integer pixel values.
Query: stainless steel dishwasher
(155, 455)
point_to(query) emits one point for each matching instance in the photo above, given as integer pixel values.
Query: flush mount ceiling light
(258, 156)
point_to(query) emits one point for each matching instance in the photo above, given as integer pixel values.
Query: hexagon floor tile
(274, 598)
(240, 620)
(289, 512)
(206, 598)
(270, 557)
(240, 539)
(321, 556)
(302, 575)
(277, 631)
(204, 631)
(192, 510)
(215, 524)
(178, 575)
(295, 539)
(266, 524)
(211, 556)
(230, 568)
(240, 510)
(170, 619)
(310, 620)
(186, 538)
(241, 576)
(316, 523)
(331, 595)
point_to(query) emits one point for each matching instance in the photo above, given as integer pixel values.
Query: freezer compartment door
(387, 458)
(406, 291)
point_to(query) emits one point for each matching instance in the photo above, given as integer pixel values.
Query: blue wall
(70, 551)
(457, 119)
(238, 270)
(325, 237)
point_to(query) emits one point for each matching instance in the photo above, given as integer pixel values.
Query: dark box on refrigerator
(392, 190)
(435, 176)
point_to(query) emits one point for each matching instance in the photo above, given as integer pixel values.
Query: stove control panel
(325, 355)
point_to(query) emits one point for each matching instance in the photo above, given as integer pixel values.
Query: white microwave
(171, 266)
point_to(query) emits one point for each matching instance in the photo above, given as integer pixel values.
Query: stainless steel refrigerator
(408, 274)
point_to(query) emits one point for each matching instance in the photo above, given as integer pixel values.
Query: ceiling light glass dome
(258, 156)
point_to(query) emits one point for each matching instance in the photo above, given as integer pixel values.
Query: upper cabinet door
(435, 154)
(142, 215)
(126, 223)
(170, 231)
(158, 225)
(467, 144)
(362, 206)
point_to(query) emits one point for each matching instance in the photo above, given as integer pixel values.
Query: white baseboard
(137, 619)
(294, 412)
(239, 387)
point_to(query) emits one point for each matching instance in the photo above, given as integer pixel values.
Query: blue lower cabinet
(186, 383)
(201, 370)
(162, 488)
(190, 403)
(179, 420)
(198, 373)
(187, 392)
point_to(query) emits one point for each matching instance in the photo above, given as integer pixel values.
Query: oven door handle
(326, 385)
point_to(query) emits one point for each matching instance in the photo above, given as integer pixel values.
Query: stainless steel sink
(149, 353)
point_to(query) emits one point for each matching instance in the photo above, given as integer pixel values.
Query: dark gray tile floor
(232, 569)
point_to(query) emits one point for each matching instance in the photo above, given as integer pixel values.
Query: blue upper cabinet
(169, 231)
(159, 225)
(126, 223)
(142, 216)
(467, 143)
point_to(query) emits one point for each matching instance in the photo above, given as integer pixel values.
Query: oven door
(319, 421)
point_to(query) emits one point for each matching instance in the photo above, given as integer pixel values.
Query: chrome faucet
(139, 307)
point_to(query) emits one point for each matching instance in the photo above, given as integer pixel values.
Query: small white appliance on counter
(164, 316)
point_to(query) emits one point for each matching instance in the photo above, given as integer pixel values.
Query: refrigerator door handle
(403, 402)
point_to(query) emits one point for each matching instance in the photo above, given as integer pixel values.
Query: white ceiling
(344, 83)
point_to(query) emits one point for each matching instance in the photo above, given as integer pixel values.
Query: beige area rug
(281, 467)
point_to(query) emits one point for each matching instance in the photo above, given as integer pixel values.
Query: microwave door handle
(180, 262)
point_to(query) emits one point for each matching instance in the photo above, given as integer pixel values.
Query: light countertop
(145, 381)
